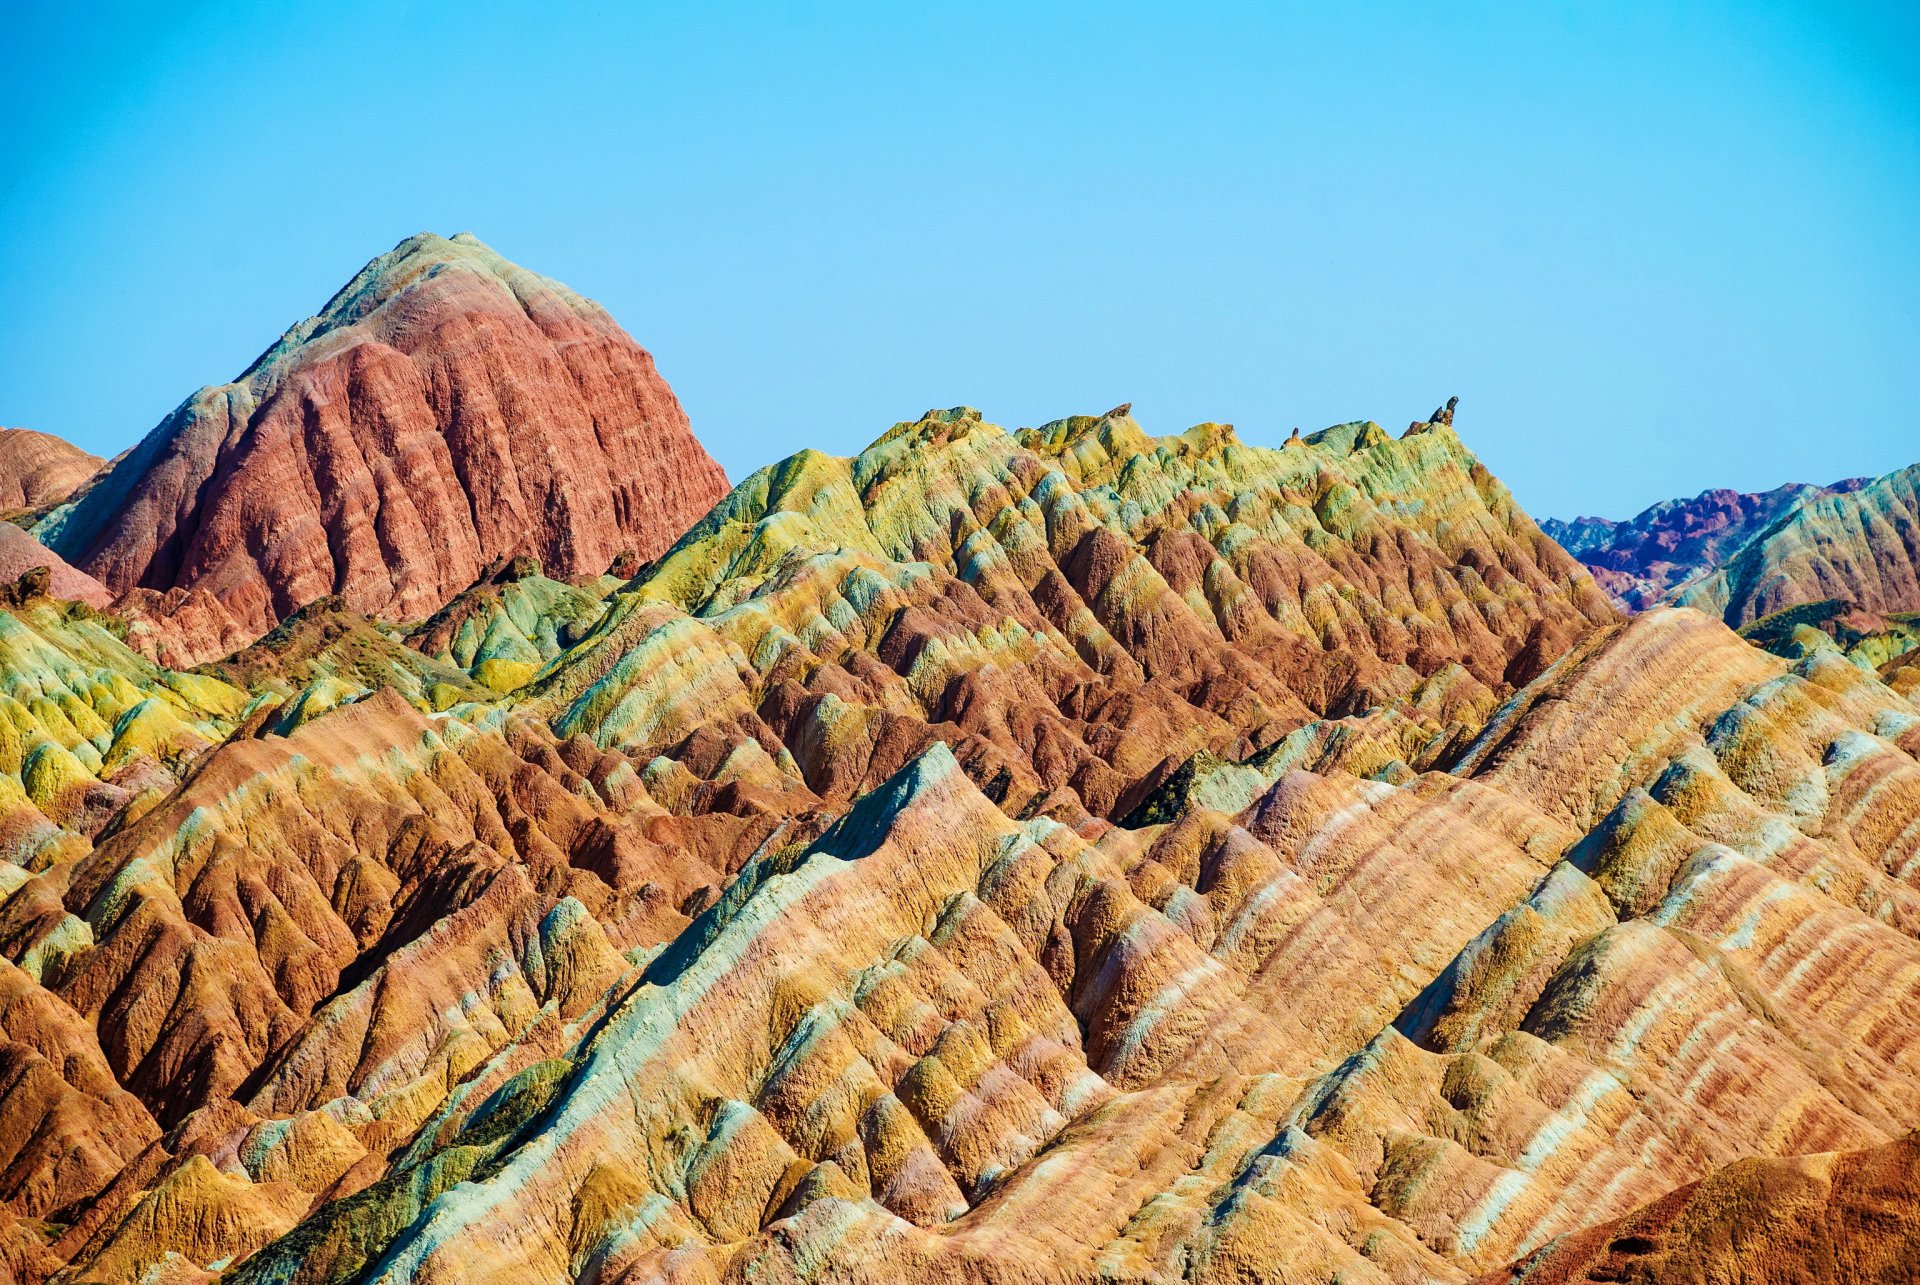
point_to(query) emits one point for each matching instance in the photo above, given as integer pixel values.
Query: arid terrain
(449, 835)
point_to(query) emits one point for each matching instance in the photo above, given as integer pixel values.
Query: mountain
(39, 469)
(1362, 1030)
(1645, 559)
(1079, 609)
(444, 410)
(1743, 557)
(1001, 856)
(1862, 546)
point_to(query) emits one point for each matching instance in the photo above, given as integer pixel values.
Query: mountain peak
(444, 409)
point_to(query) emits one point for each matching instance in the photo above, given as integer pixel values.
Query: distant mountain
(443, 411)
(1861, 545)
(1742, 557)
(1644, 559)
(39, 469)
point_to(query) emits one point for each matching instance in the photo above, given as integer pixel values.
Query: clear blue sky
(1654, 247)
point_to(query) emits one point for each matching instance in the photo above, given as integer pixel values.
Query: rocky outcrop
(20, 553)
(181, 627)
(39, 470)
(443, 410)
(505, 628)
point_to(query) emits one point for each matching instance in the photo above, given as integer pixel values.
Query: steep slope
(1670, 544)
(443, 410)
(38, 470)
(1850, 1217)
(1078, 609)
(1366, 1032)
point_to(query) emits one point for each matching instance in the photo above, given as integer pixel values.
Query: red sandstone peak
(445, 409)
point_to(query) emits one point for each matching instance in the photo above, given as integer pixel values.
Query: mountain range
(450, 835)
(1742, 557)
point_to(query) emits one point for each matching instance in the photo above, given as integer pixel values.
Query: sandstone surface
(20, 553)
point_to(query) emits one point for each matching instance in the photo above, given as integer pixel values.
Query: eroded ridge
(1041, 856)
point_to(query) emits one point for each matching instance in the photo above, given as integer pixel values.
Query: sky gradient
(1653, 247)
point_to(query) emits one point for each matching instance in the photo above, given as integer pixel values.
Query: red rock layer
(1367, 1032)
(1079, 609)
(779, 928)
(1745, 557)
(1862, 546)
(39, 469)
(1670, 544)
(21, 553)
(445, 409)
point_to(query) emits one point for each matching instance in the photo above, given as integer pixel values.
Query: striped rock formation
(1078, 609)
(1863, 546)
(1030, 856)
(1744, 557)
(39, 470)
(1851, 1215)
(1359, 1030)
(445, 409)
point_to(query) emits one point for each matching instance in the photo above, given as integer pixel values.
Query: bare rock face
(445, 409)
(181, 627)
(39, 469)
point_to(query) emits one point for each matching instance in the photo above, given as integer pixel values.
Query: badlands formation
(444, 410)
(1743, 557)
(39, 470)
(1043, 855)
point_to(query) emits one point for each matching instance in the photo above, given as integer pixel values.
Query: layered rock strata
(39, 470)
(445, 409)
(1745, 557)
(1028, 856)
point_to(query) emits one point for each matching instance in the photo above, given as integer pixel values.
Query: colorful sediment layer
(1744, 557)
(1048, 855)
(445, 409)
